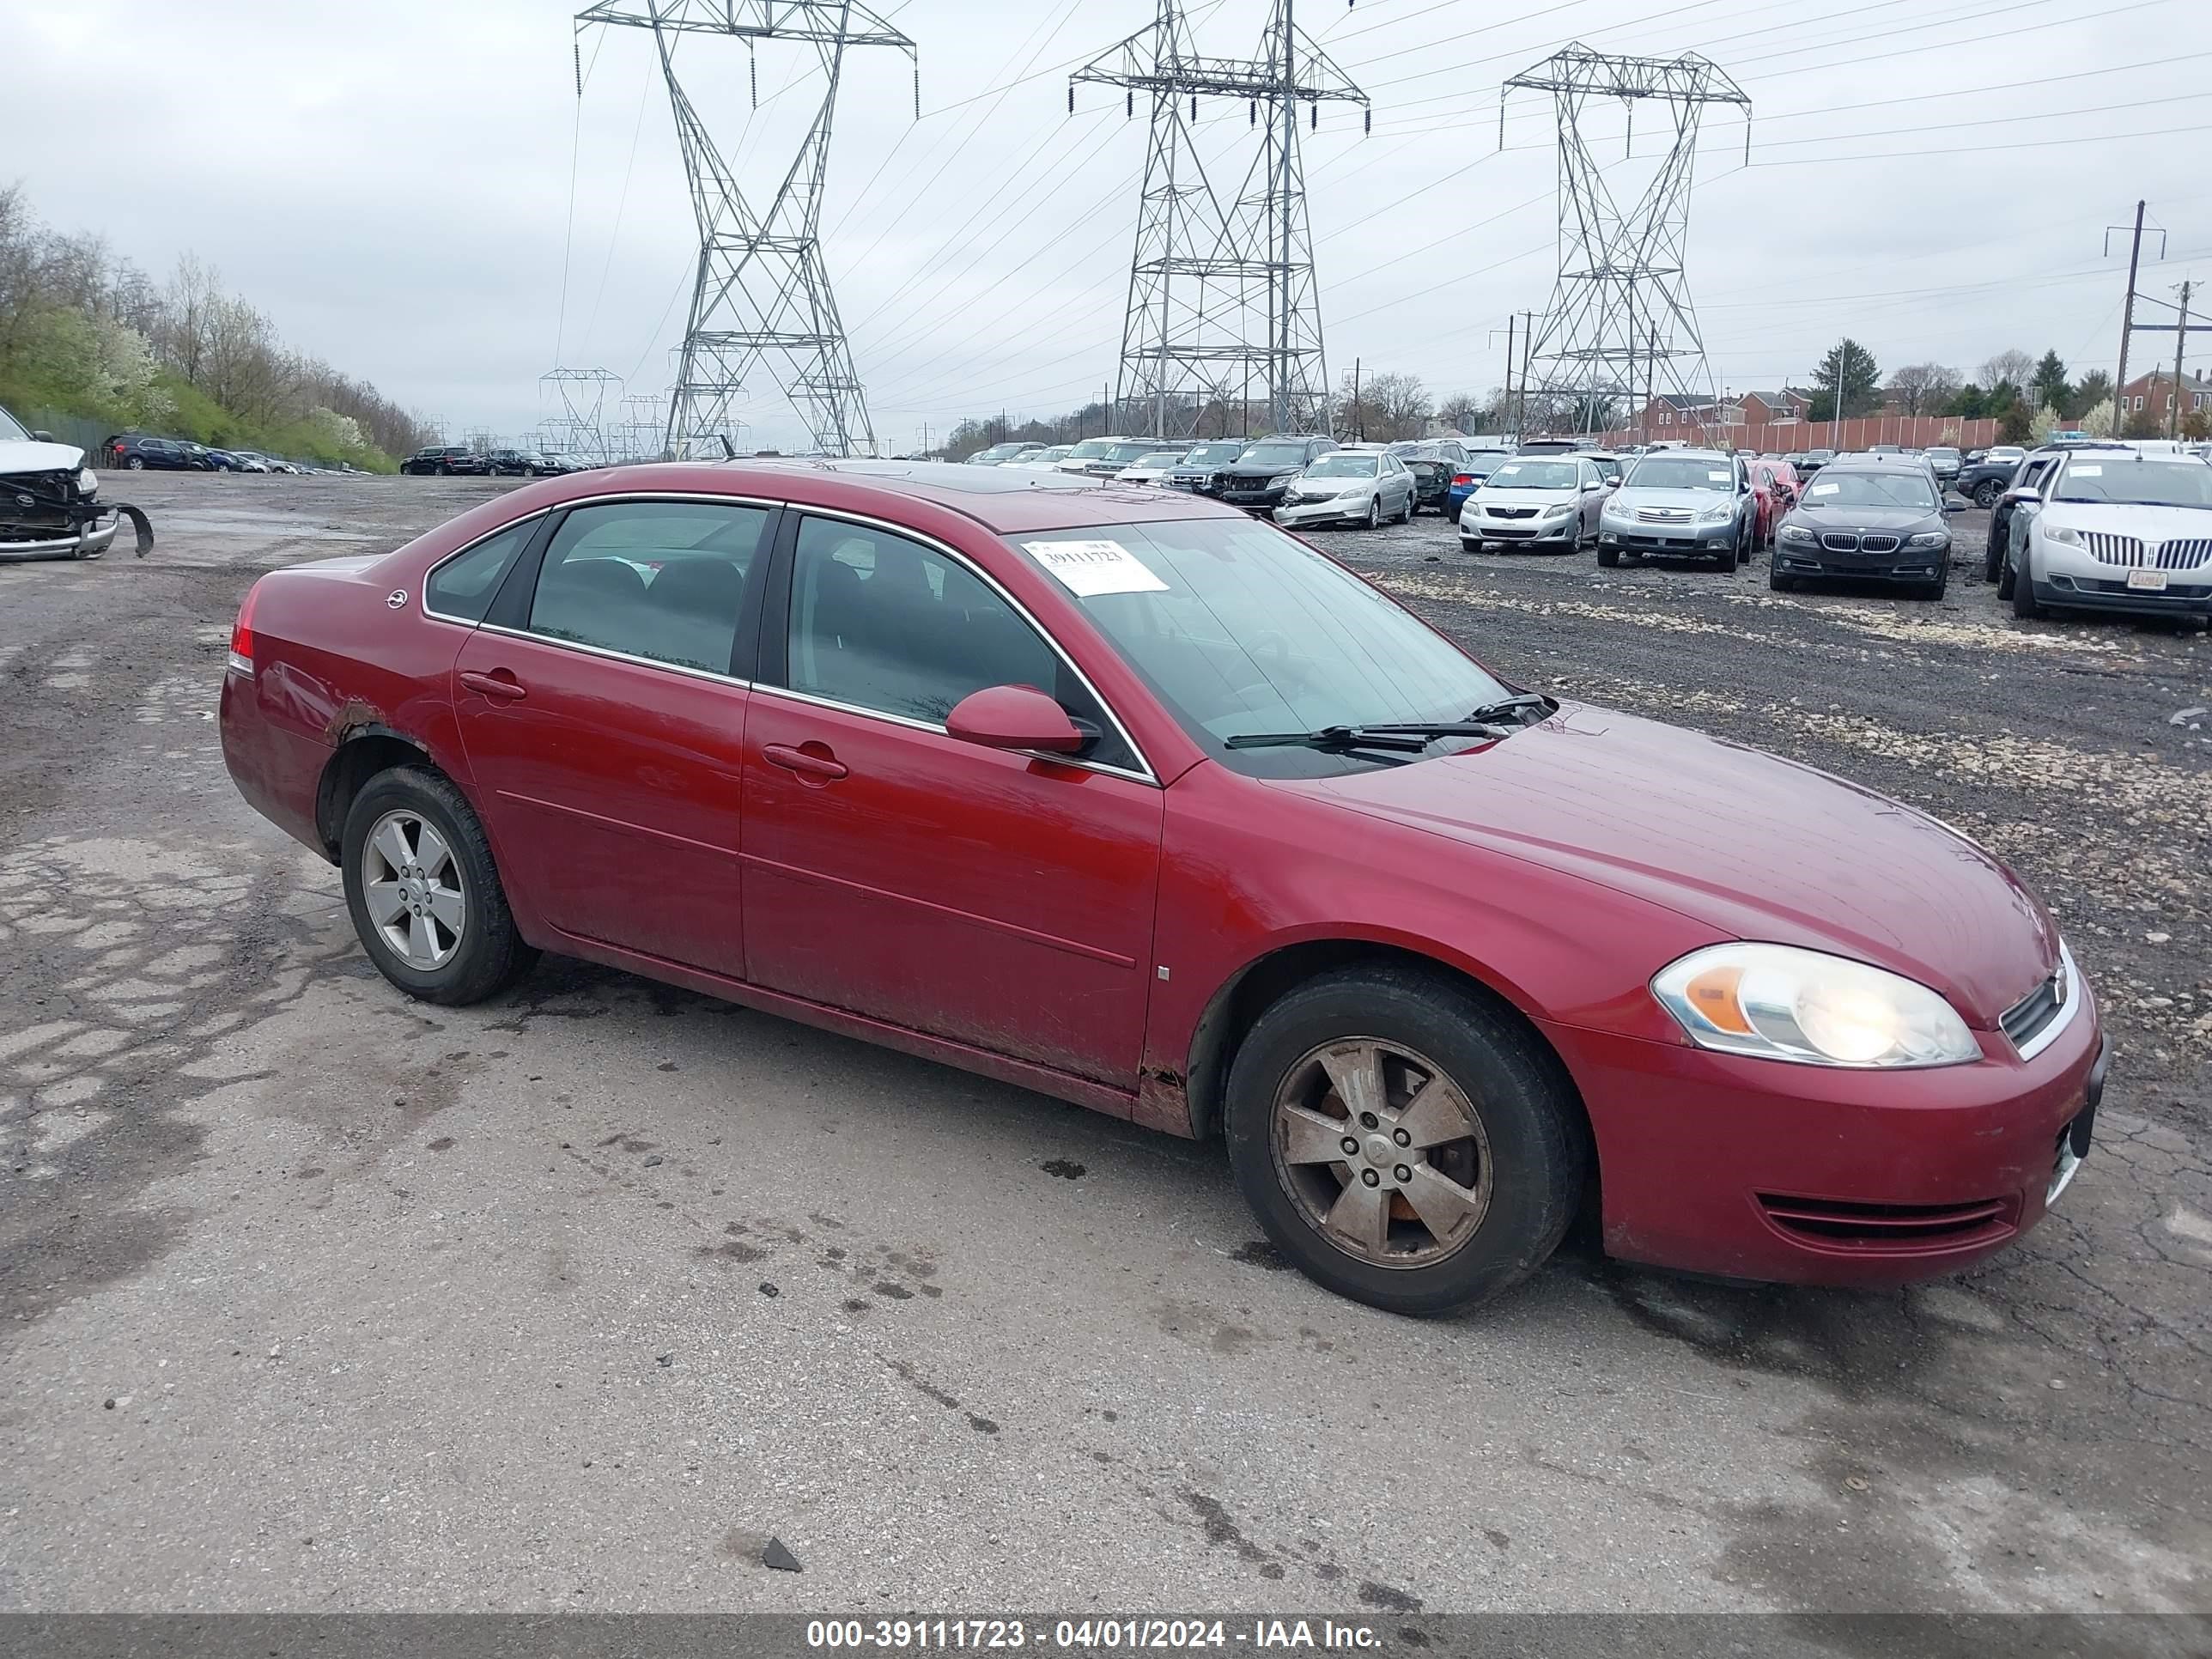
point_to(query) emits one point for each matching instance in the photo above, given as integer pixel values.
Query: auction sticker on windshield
(1825, 488)
(1088, 569)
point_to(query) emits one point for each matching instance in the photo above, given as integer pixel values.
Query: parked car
(2121, 531)
(1141, 803)
(1258, 478)
(137, 453)
(1774, 491)
(1946, 463)
(996, 453)
(50, 504)
(1681, 504)
(1878, 519)
(1547, 502)
(1153, 465)
(223, 460)
(516, 464)
(1983, 481)
(1051, 455)
(1080, 456)
(1348, 486)
(446, 460)
(2034, 471)
(1479, 464)
(1610, 467)
(1812, 461)
(1434, 462)
(1196, 471)
(251, 461)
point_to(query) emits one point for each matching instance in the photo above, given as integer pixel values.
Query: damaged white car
(49, 505)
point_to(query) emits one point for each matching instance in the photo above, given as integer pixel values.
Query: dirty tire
(492, 955)
(2024, 602)
(1779, 582)
(137, 463)
(1609, 557)
(1536, 1137)
(1468, 545)
(1986, 494)
(1993, 558)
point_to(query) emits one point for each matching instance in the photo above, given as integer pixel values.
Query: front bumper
(1679, 540)
(1755, 1169)
(1476, 527)
(1334, 509)
(88, 541)
(1902, 564)
(2067, 576)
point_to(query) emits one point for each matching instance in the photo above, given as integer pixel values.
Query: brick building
(2152, 394)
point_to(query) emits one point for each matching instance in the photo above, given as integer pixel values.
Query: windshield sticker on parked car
(1088, 569)
(2088, 471)
(1825, 488)
(1718, 477)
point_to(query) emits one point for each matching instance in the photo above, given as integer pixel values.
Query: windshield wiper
(1510, 708)
(1410, 738)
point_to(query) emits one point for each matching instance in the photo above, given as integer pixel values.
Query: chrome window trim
(1147, 775)
(2076, 994)
(423, 598)
(613, 655)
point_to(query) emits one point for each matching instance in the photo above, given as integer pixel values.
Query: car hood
(1628, 498)
(1817, 515)
(1754, 846)
(1490, 497)
(28, 455)
(2149, 524)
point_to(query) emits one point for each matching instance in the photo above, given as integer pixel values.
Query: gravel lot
(312, 1298)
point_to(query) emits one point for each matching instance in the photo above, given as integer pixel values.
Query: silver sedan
(1350, 486)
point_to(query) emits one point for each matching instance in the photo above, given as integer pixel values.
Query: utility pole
(1521, 410)
(1358, 414)
(2128, 312)
(2180, 339)
(1510, 319)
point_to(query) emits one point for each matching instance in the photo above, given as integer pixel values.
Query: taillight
(241, 635)
(1462, 478)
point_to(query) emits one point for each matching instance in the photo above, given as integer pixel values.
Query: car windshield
(1342, 466)
(11, 429)
(1275, 455)
(1682, 473)
(1160, 458)
(1214, 454)
(2137, 483)
(1127, 452)
(1239, 628)
(1872, 490)
(1481, 466)
(1091, 449)
(1819, 454)
(1948, 454)
(1533, 474)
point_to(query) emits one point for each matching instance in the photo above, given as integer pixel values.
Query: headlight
(1615, 512)
(1930, 539)
(1797, 536)
(1778, 1002)
(1720, 514)
(1560, 511)
(2064, 535)
(87, 483)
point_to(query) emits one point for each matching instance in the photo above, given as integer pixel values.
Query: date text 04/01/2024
(1105, 1635)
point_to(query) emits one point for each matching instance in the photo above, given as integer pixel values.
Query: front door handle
(500, 686)
(824, 767)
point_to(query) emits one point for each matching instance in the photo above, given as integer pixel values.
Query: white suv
(2113, 530)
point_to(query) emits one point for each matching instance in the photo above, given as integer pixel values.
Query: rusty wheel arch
(362, 751)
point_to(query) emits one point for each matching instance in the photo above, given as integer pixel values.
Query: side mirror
(42, 437)
(1014, 717)
(1955, 507)
(2026, 495)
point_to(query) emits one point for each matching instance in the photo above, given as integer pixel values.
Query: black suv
(520, 464)
(140, 453)
(446, 460)
(1257, 479)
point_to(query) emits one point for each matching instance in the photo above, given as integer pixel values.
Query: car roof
(1868, 462)
(1687, 453)
(1001, 500)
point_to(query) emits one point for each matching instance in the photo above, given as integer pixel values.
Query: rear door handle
(502, 687)
(824, 767)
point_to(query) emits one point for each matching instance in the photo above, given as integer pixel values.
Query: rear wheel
(425, 897)
(1986, 494)
(137, 463)
(444, 471)
(1402, 1140)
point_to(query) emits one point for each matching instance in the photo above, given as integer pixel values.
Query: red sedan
(1774, 486)
(1140, 802)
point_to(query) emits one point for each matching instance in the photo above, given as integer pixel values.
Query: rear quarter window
(464, 587)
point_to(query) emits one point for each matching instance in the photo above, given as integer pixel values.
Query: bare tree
(2014, 367)
(1923, 388)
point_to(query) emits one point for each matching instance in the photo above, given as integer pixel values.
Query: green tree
(2049, 384)
(2096, 388)
(1968, 403)
(1850, 368)
(2015, 425)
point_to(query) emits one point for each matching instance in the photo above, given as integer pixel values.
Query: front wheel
(1402, 1140)
(1469, 545)
(1609, 557)
(425, 897)
(1986, 494)
(1779, 582)
(1374, 518)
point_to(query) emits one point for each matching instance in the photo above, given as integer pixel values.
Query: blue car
(1480, 463)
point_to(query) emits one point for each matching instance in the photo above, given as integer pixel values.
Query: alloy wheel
(416, 898)
(1383, 1153)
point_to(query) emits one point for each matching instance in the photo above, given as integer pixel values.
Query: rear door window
(664, 580)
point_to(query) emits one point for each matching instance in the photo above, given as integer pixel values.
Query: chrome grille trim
(1839, 541)
(2054, 1003)
(2108, 548)
(1878, 544)
(2185, 554)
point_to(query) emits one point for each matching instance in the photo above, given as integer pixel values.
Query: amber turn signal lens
(1713, 995)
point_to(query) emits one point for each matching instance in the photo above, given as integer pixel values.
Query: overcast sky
(391, 182)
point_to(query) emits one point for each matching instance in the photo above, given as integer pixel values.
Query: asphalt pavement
(314, 1298)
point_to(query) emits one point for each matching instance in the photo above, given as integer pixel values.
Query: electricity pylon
(762, 290)
(1620, 317)
(1208, 274)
